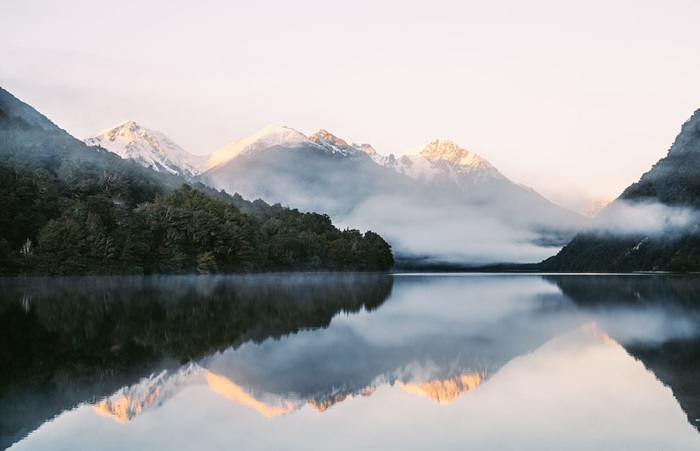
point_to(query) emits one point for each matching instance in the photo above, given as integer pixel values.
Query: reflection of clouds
(437, 337)
(456, 325)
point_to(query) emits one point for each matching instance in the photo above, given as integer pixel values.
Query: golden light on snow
(444, 391)
(122, 408)
(322, 406)
(230, 390)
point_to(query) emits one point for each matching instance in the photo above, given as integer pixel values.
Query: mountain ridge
(149, 148)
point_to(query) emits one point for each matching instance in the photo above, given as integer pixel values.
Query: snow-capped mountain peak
(327, 137)
(269, 136)
(446, 150)
(148, 147)
(333, 143)
(366, 148)
(441, 159)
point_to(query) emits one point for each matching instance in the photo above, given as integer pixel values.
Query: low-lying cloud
(644, 218)
(455, 233)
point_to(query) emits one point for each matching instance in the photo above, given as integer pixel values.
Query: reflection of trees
(70, 340)
(676, 363)
(632, 290)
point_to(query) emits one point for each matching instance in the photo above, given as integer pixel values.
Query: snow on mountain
(150, 148)
(272, 135)
(150, 392)
(440, 158)
(332, 143)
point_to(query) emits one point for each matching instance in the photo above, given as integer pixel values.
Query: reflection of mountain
(230, 390)
(675, 362)
(414, 379)
(154, 390)
(444, 191)
(65, 341)
(444, 391)
(677, 365)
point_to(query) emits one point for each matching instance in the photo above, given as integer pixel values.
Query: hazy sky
(576, 99)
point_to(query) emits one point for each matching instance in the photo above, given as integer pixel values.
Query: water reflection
(71, 340)
(447, 362)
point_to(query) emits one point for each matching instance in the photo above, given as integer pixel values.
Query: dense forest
(66, 208)
(674, 182)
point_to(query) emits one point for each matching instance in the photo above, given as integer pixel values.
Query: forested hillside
(66, 208)
(672, 186)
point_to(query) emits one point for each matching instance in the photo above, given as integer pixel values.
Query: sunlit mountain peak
(333, 144)
(446, 150)
(269, 136)
(323, 135)
(366, 148)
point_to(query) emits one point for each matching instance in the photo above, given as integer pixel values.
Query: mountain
(269, 136)
(68, 208)
(653, 226)
(149, 148)
(318, 173)
(441, 162)
(444, 204)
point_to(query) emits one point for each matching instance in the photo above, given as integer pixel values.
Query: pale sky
(575, 99)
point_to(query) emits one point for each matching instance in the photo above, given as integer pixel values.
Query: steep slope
(13, 107)
(654, 225)
(149, 148)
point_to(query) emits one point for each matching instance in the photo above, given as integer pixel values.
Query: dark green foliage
(66, 208)
(187, 231)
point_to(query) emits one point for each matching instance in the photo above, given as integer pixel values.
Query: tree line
(66, 208)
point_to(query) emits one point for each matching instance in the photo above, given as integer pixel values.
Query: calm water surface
(343, 361)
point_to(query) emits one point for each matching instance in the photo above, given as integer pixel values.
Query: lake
(351, 361)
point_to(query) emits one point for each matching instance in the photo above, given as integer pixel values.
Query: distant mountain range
(655, 223)
(443, 204)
